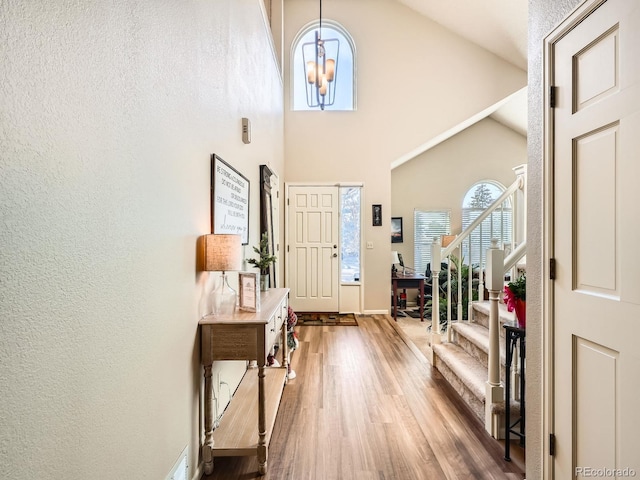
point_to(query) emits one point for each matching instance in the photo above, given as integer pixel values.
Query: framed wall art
(396, 230)
(229, 200)
(376, 214)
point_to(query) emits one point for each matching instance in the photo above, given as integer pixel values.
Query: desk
(514, 335)
(248, 421)
(408, 280)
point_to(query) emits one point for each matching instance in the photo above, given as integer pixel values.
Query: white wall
(440, 178)
(416, 81)
(110, 112)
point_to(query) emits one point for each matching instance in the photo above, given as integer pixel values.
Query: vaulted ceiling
(499, 26)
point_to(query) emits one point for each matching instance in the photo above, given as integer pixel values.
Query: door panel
(596, 313)
(313, 248)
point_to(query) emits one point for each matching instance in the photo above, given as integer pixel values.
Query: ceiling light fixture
(321, 68)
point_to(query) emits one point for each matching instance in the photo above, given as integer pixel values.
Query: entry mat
(326, 318)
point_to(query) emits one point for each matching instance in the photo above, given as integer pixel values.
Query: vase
(521, 312)
(264, 282)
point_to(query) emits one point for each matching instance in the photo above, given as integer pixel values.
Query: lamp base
(223, 297)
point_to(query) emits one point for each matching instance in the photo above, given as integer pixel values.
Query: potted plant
(264, 260)
(515, 296)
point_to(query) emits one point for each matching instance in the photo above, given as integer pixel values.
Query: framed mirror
(266, 216)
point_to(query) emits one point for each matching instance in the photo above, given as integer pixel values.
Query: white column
(495, 283)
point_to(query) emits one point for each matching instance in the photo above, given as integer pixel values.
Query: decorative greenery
(464, 268)
(516, 290)
(264, 257)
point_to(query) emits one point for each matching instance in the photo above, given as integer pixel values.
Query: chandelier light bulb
(331, 69)
(311, 72)
(323, 86)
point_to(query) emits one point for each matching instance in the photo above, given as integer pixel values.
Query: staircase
(464, 361)
(471, 354)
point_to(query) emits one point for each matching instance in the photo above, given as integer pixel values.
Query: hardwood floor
(365, 406)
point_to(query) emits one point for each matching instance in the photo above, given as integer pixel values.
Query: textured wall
(544, 16)
(416, 80)
(440, 178)
(110, 112)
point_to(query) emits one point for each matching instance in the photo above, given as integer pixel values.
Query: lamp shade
(222, 252)
(394, 257)
(446, 240)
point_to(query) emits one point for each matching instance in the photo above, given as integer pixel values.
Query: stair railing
(440, 252)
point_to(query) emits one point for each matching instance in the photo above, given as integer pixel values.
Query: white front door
(596, 243)
(313, 256)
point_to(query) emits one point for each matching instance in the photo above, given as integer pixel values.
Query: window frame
(327, 26)
(425, 242)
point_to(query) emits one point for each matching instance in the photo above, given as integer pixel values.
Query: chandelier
(320, 59)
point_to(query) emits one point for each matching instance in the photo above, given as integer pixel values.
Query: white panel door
(313, 254)
(596, 294)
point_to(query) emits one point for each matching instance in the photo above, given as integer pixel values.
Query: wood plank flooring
(364, 406)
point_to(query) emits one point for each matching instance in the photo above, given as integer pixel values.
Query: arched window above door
(345, 68)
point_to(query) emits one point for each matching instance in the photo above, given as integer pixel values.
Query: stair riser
(475, 404)
(482, 318)
(478, 353)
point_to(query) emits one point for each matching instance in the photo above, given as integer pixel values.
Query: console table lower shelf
(237, 434)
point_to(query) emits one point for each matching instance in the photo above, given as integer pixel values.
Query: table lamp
(394, 259)
(223, 253)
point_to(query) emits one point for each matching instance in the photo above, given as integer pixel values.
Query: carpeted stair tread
(504, 315)
(471, 372)
(514, 412)
(479, 336)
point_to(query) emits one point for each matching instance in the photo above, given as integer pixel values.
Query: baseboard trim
(199, 472)
(376, 312)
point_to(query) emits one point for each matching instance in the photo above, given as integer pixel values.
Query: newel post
(495, 284)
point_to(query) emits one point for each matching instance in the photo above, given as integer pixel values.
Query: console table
(408, 280)
(245, 336)
(514, 335)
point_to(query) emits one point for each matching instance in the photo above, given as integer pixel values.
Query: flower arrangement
(264, 257)
(515, 296)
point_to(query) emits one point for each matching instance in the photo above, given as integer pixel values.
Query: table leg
(522, 397)
(262, 424)
(208, 421)
(395, 301)
(285, 348)
(421, 295)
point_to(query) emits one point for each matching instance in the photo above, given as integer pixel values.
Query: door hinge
(287, 201)
(552, 97)
(552, 444)
(287, 248)
(552, 268)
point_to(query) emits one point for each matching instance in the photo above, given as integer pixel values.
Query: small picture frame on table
(249, 295)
